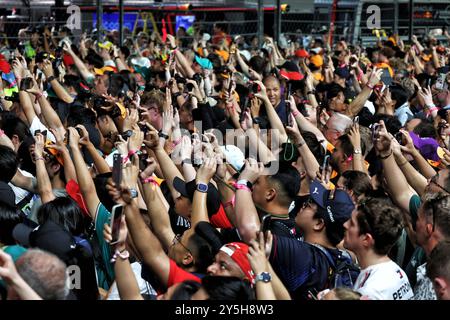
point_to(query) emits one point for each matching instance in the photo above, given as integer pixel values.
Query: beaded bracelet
(122, 255)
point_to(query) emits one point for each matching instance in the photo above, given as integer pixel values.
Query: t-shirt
(144, 286)
(19, 192)
(414, 204)
(103, 216)
(177, 275)
(384, 281)
(36, 124)
(301, 266)
(283, 227)
(424, 288)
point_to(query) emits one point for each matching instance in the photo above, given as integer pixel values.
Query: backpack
(343, 271)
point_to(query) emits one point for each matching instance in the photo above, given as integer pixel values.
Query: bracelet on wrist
(39, 158)
(150, 180)
(371, 87)
(385, 157)
(124, 254)
(163, 135)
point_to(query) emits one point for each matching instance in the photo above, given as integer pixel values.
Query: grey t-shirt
(37, 202)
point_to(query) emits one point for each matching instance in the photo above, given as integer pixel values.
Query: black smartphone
(116, 217)
(26, 84)
(356, 120)
(117, 169)
(189, 87)
(265, 223)
(80, 132)
(375, 131)
(36, 132)
(399, 137)
(386, 77)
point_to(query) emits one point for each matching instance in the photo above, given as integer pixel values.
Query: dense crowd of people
(208, 167)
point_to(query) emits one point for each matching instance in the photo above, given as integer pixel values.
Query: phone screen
(116, 217)
(117, 169)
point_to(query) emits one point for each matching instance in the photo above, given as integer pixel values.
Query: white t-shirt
(384, 281)
(144, 286)
(38, 125)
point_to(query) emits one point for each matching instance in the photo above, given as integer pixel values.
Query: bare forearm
(50, 115)
(274, 119)
(81, 67)
(424, 167)
(356, 106)
(169, 169)
(158, 214)
(126, 280)
(184, 64)
(61, 92)
(100, 164)
(27, 105)
(69, 168)
(247, 219)
(43, 182)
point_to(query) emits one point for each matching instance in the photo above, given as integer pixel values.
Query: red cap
(73, 190)
(68, 60)
(239, 255)
(291, 75)
(4, 65)
(301, 53)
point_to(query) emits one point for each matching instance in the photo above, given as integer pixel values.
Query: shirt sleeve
(177, 275)
(103, 216)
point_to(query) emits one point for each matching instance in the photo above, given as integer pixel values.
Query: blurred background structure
(248, 18)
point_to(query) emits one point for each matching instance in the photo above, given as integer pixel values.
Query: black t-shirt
(301, 266)
(283, 227)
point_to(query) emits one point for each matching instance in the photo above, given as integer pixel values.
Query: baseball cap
(214, 206)
(290, 71)
(426, 146)
(335, 206)
(203, 62)
(54, 152)
(343, 73)
(49, 236)
(5, 67)
(7, 195)
(316, 60)
(301, 53)
(238, 252)
(105, 45)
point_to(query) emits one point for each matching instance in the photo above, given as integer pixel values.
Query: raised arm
(43, 181)
(356, 106)
(69, 168)
(85, 73)
(84, 178)
(393, 175)
(60, 92)
(125, 278)
(247, 219)
(99, 162)
(204, 175)
(274, 119)
(156, 210)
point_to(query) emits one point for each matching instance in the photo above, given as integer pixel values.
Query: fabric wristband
(150, 180)
(122, 255)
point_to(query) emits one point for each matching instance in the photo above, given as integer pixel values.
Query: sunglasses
(434, 180)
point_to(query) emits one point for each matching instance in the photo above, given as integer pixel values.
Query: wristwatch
(264, 277)
(202, 187)
(245, 183)
(357, 151)
(134, 193)
(257, 120)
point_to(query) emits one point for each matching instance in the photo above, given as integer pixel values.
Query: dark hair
(100, 182)
(9, 218)
(286, 182)
(65, 212)
(393, 125)
(399, 95)
(333, 90)
(425, 129)
(8, 163)
(258, 64)
(358, 182)
(125, 51)
(437, 206)
(185, 290)
(314, 145)
(13, 125)
(23, 153)
(439, 262)
(227, 288)
(202, 251)
(94, 59)
(382, 220)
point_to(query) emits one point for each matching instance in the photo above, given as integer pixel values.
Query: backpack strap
(327, 254)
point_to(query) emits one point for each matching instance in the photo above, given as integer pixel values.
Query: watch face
(265, 277)
(134, 193)
(202, 187)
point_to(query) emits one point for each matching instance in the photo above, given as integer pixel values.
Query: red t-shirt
(177, 275)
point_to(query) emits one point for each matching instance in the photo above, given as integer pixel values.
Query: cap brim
(21, 233)
(291, 75)
(180, 186)
(317, 192)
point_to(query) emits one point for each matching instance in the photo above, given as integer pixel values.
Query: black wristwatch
(264, 277)
(163, 135)
(51, 78)
(257, 120)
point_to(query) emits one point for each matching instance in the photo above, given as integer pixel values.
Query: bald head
(45, 273)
